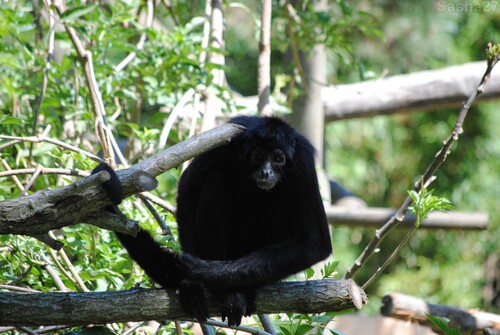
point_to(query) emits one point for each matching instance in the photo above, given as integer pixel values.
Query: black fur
(235, 235)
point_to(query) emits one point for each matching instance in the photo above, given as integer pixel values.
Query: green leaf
(330, 269)
(73, 13)
(425, 202)
(443, 324)
(10, 120)
(304, 329)
(285, 330)
(309, 273)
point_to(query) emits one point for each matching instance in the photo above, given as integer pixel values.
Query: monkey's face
(267, 166)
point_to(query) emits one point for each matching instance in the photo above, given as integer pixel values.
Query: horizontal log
(82, 308)
(418, 91)
(376, 217)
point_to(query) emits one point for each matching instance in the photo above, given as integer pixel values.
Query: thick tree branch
(52, 209)
(157, 304)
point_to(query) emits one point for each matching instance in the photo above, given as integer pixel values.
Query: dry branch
(401, 306)
(156, 304)
(51, 209)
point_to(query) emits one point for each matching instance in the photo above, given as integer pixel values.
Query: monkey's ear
(290, 151)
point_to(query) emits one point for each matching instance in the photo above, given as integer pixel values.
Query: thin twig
(9, 144)
(103, 131)
(59, 171)
(391, 257)
(206, 33)
(167, 4)
(174, 115)
(32, 180)
(221, 324)
(425, 179)
(17, 288)
(14, 175)
(267, 324)
(178, 328)
(75, 277)
(38, 139)
(158, 201)
(25, 273)
(202, 60)
(66, 274)
(50, 270)
(133, 328)
(156, 215)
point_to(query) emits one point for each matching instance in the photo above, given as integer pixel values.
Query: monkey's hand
(234, 307)
(193, 300)
(214, 274)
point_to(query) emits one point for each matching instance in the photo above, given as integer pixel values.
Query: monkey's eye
(278, 157)
(257, 156)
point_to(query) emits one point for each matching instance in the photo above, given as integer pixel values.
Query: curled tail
(162, 265)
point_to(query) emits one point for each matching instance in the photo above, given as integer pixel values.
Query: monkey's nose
(264, 175)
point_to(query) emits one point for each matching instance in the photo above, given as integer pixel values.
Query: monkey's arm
(264, 266)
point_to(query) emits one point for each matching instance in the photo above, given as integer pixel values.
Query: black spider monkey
(249, 213)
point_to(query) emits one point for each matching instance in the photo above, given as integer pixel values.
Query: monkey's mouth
(265, 184)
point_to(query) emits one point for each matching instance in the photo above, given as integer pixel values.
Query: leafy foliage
(424, 202)
(443, 324)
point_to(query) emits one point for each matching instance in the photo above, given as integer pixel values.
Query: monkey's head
(269, 147)
(267, 165)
